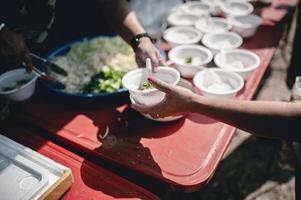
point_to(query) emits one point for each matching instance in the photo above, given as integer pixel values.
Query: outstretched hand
(178, 100)
(13, 51)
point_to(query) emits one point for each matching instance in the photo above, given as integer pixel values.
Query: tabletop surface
(90, 181)
(183, 153)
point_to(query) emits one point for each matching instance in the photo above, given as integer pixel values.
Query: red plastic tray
(90, 181)
(183, 153)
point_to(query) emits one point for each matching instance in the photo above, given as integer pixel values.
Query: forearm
(266, 119)
(123, 20)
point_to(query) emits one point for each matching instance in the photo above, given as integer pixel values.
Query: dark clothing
(32, 18)
(47, 24)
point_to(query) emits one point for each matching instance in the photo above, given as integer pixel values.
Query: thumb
(160, 85)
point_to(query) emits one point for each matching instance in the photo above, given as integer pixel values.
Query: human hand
(13, 51)
(146, 49)
(178, 100)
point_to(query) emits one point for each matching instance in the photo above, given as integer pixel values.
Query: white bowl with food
(219, 83)
(182, 83)
(236, 8)
(182, 19)
(217, 42)
(198, 8)
(17, 84)
(142, 91)
(246, 26)
(190, 59)
(179, 35)
(213, 25)
(243, 62)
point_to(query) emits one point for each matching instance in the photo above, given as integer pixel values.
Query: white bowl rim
(200, 86)
(34, 78)
(180, 13)
(171, 30)
(235, 21)
(206, 37)
(227, 10)
(165, 68)
(193, 3)
(192, 46)
(242, 51)
(214, 19)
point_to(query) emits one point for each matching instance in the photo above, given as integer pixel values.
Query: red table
(90, 181)
(184, 153)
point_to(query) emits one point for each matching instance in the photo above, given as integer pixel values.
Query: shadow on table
(255, 162)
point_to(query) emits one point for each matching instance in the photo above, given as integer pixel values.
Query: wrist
(139, 38)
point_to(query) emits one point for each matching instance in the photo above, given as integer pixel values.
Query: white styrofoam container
(25, 174)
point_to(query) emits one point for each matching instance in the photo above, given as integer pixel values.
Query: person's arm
(261, 118)
(13, 50)
(124, 21)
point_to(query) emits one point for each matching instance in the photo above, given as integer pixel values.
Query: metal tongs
(50, 65)
(47, 78)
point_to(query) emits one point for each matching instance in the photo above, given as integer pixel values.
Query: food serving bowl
(246, 26)
(17, 84)
(243, 62)
(199, 8)
(219, 83)
(236, 8)
(134, 79)
(189, 59)
(180, 18)
(179, 35)
(213, 25)
(182, 83)
(222, 41)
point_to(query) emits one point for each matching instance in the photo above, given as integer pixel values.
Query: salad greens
(188, 60)
(145, 86)
(104, 81)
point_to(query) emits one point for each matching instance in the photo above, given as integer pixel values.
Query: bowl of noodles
(95, 69)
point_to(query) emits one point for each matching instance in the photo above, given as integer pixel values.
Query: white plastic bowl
(246, 26)
(21, 93)
(236, 8)
(198, 8)
(243, 62)
(183, 83)
(179, 35)
(216, 6)
(135, 78)
(182, 19)
(213, 25)
(219, 83)
(200, 57)
(222, 41)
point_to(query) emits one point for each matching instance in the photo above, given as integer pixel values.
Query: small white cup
(135, 78)
(22, 92)
(219, 83)
(197, 55)
(180, 35)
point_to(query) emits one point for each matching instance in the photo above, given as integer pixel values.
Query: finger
(162, 61)
(28, 62)
(155, 60)
(160, 85)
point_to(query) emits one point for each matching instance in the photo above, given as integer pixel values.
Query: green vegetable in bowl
(145, 86)
(104, 81)
(188, 60)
